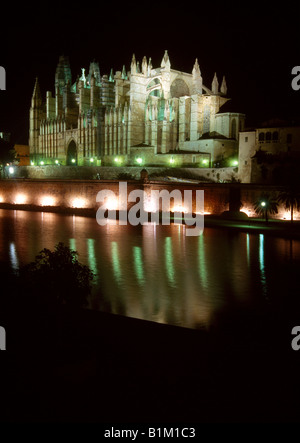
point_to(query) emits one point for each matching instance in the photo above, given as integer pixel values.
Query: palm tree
(290, 197)
(266, 204)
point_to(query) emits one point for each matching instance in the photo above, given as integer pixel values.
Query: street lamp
(11, 170)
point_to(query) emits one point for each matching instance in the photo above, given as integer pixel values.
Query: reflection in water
(72, 244)
(92, 258)
(138, 264)
(13, 256)
(116, 262)
(201, 262)
(262, 261)
(169, 261)
(155, 272)
(248, 248)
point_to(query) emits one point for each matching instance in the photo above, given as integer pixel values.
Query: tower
(197, 79)
(35, 116)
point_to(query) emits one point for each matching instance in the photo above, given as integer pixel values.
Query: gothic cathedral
(148, 115)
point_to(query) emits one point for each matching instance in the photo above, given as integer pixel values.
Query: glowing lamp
(263, 204)
(112, 203)
(11, 170)
(91, 160)
(139, 160)
(78, 203)
(179, 208)
(42, 163)
(47, 201)
(20, 199)
(73, 160)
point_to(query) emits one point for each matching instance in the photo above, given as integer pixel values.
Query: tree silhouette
(290, 197)
(7, 153)
(57, 277)
(266, 204)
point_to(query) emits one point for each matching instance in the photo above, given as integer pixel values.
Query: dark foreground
(85, 366)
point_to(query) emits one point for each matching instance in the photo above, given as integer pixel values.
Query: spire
(196, 69)
(215, 85)
(224, 86)
(94, 71)
(138, 70)
(63, 72)
(36, 96)
(149, 67)
(144, 65)
(124, 73)
(133, 65)
(165, 63)
(83, 77)
(111, 76)
(197, 79)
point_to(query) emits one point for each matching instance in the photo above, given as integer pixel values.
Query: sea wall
(112, 173)
(80, 195)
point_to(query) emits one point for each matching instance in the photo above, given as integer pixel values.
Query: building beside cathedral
(154, 116)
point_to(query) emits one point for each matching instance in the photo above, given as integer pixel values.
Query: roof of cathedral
(213, 135)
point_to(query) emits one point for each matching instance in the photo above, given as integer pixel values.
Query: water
(156, 272)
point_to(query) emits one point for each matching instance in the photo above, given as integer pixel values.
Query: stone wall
(110, 173)
(81, 194)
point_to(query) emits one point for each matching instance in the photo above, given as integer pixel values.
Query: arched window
(72, 153)
(275, 136)
(261, 137)
(179, 88)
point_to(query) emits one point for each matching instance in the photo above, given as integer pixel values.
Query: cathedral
(144, 116)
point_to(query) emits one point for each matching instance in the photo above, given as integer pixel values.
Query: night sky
(254, 48)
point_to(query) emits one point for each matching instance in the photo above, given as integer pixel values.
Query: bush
(57, 278)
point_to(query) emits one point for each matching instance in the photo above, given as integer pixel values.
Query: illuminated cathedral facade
(147, 115)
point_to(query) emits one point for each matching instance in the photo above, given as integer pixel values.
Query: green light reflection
(72, 243)
(92, 257)
(169, 261)
(138, 263)
(262, 261)
(201, 262)
(248, 247)
(116, 261)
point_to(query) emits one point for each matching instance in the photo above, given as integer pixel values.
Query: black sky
(254, 44)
